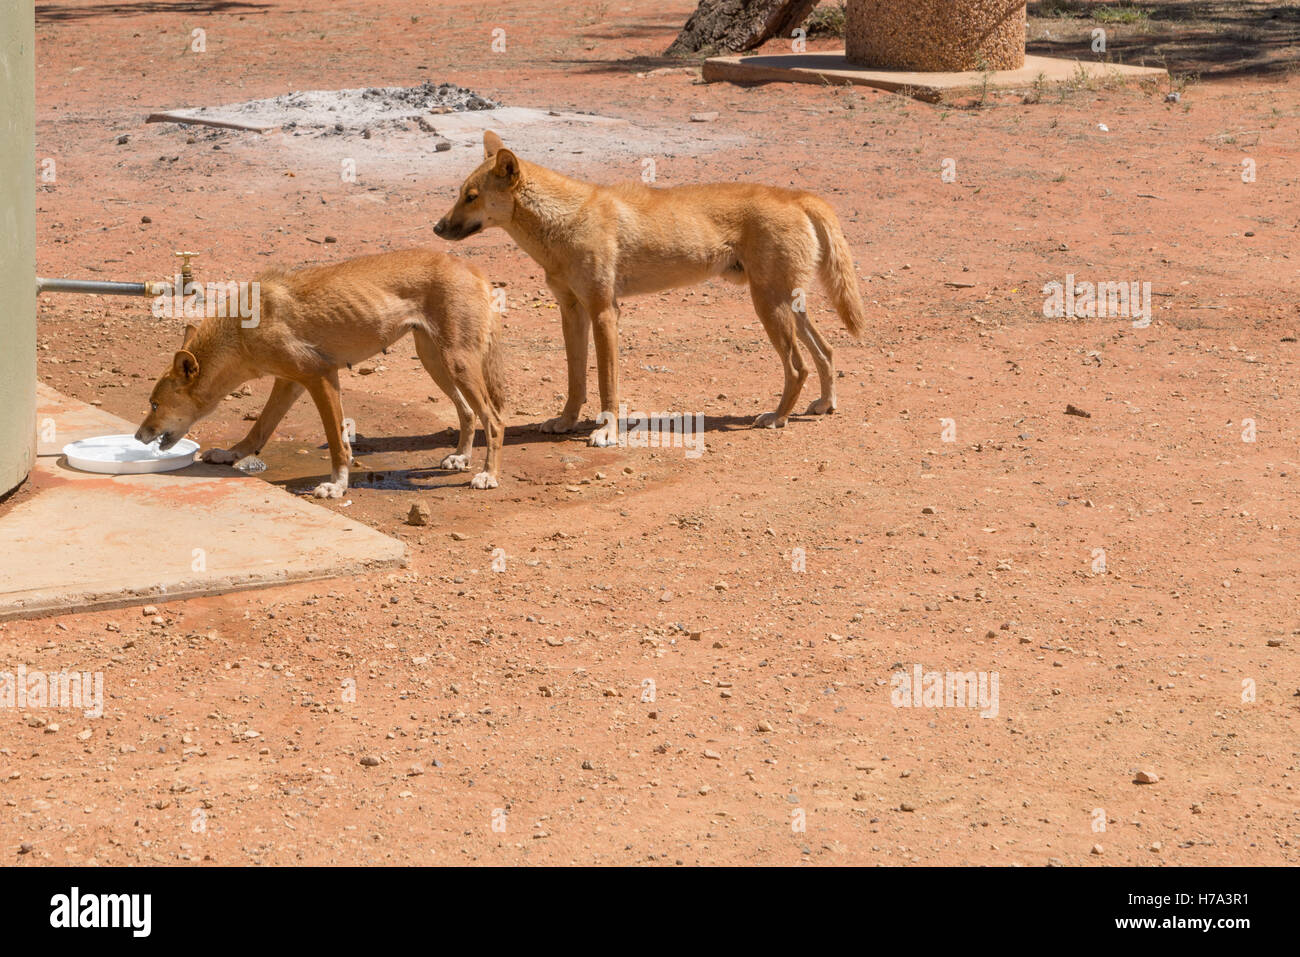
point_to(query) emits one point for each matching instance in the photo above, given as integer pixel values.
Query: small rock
(1146, 777)
(459, 536)
(713, 755)
(708, 117)
(928, 510)
(1098, 849)
(370, 761)
(418, 515)
(1075, 410)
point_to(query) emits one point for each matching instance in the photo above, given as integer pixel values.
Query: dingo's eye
(153, 406)
(471, 195)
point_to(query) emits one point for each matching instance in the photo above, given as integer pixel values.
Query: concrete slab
(832, 68)
(85, 541)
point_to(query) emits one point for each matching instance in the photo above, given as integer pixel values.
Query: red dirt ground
(228, 735)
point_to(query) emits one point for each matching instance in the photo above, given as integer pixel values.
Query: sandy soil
(398, 718)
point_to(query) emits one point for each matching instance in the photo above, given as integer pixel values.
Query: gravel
(935, 35)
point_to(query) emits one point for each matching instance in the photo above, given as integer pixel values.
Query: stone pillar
(942, 36)
(17, 242)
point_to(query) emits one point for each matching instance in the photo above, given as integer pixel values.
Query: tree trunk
(727, 26)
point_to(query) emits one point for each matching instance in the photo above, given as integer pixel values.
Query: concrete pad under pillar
(84, 541)
(832, 68)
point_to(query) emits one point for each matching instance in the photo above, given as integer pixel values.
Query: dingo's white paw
(604, 436)
(330, 490)
(768, 420)
(821, 407)
(484, 480)
(221, 456)
(559, 424)
(457, 463)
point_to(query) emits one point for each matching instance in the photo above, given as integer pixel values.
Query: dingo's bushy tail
(837, 267)
(494, 368)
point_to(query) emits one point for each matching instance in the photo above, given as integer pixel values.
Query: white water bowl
(123, 455)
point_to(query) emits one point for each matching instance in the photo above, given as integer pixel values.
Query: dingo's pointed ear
(191, 331)
(185, 365)
(507, 165)
(491, 144)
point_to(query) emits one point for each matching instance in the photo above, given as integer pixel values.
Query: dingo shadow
(422, 478)
(389, 480)
(446, 439)
(46, 12)
(375, 444)
(712, 423)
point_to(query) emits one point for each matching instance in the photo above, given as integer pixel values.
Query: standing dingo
(598, 244)
(314, 321)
